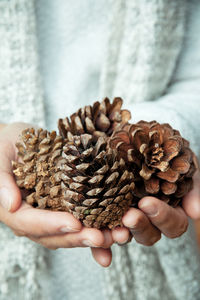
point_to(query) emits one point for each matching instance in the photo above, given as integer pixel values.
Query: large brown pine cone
(97, 188)
(100, 119)
(83, 177)
(160, 158)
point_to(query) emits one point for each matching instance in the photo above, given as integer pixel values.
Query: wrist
(2, 126)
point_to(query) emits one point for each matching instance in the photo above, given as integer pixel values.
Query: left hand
(154, 217)
(50, 229)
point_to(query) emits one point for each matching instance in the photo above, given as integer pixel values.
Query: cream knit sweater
(145, 41)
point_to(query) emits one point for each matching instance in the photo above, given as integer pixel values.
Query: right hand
(51, 229)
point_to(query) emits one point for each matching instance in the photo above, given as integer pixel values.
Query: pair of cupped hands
(55, 230)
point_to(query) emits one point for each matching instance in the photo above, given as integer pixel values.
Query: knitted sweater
(144, 46)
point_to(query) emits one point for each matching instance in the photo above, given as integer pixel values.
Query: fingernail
(150, 210)
(69, 229)
(154, 240)
(124, 242)
(89, 243)
(5, 198)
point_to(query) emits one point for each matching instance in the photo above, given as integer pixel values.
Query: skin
(55, 230)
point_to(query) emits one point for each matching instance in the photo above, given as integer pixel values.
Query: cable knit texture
(139, 30)
(143, 48)
(20, 91)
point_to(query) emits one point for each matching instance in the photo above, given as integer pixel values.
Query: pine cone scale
(169, 175)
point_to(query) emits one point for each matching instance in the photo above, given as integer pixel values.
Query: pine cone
(83, 177)
(39, 153)
(161, 160)
(100, 119)
(96, 188)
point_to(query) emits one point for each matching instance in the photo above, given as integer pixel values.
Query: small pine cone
(162, 162)
(39, 152)
(100, 119)
(96, 188)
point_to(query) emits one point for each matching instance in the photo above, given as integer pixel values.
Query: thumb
(191, 202)
(10, 195)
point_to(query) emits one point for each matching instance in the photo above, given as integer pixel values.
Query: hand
(154, 217)
(51, 229)
(191, 202)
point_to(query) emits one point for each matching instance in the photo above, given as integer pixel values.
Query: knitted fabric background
(132, 70)
(139, 30)
(20, 89)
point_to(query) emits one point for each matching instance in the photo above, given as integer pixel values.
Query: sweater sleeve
(20, 100)
(180, 106)
(21, 97)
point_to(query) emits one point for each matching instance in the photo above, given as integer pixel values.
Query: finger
(120, 235)
(141, 228)
(29, 221)
(172, 222)
(102, 256)
(12, 132)
(108, 239)
(87, 237)
(191, 202)
(10, 196)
